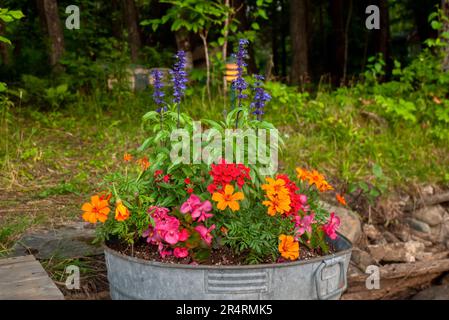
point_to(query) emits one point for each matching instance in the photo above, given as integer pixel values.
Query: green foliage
(254, 234)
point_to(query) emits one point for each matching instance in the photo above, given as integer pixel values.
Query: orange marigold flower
(96, 210)
(144, 163)
(277, 204)
(275, 187)
(341, 199)
(121, 212)
(302, 174)
(127, 157)
(227, 198)
(325, 186)
(315, 178)
(288, 247)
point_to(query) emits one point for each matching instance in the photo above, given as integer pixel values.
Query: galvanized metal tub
(320, 278)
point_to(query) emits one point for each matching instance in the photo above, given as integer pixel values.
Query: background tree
(48, 11)
(131, 18)
(299, 38)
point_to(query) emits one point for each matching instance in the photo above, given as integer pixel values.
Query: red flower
(158, 173)
(189, 190)
(226, 173)
(187, 181)
(166, 178)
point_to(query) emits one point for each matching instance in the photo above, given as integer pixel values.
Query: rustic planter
(318, 278)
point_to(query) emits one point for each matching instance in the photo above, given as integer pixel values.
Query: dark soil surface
(222, 256)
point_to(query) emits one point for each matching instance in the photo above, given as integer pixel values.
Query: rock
(427, 190)
(71, 240)
(391, 238)
(396, 252)
(350, 226)
(433, 293)
(433, 215)
(372, 233)
(418, 225)
(362, 259)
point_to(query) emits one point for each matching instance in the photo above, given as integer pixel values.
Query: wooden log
(397, 281)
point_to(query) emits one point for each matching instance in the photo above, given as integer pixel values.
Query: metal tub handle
(318, 278)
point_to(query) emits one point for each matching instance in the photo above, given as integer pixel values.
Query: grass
(60, 156)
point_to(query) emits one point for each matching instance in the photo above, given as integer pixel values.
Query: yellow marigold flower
(96, 210)
(275, 187)
(302, 174)
(227, 198)
(127, 157)
(277, 204)
(288, 247)
(121, 212)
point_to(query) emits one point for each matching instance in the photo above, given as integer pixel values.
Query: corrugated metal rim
(245, 267)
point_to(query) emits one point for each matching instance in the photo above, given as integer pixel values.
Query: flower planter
(319, 278)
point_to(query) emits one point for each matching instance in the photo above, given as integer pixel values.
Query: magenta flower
(167, 224)
(171, 236)
(180, 252)
(331, 226)
(304, 224)
(183, 235)
(152, 235)
(164, 252)
(190, 204)
(202, 211)
(205, 233)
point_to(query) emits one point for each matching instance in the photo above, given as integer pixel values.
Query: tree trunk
(445, 8)
(338, 41)
(183, 43)
(224, 51)
(49, 12)
(348, 24)
(203, 36)
(298, 33)
(284, 31)
(383, 35)
(131, 20)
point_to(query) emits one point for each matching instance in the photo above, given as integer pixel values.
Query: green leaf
(255, 26)
(5, 40)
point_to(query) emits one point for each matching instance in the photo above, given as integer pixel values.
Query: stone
(362, 259)
(433, 215)
(350, 226)
(433, 293)
(427, 190)
(70, 240)
(373, 234)
(390, 237)
(396, 252)
(418, 225)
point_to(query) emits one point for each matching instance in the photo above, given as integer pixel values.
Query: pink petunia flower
(180, 252)
(205, 233)
(190, 204)
(331, 226)
(202, 211)
(183, 235)
(304, 224)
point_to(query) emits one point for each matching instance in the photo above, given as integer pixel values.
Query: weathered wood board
(23, 278)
